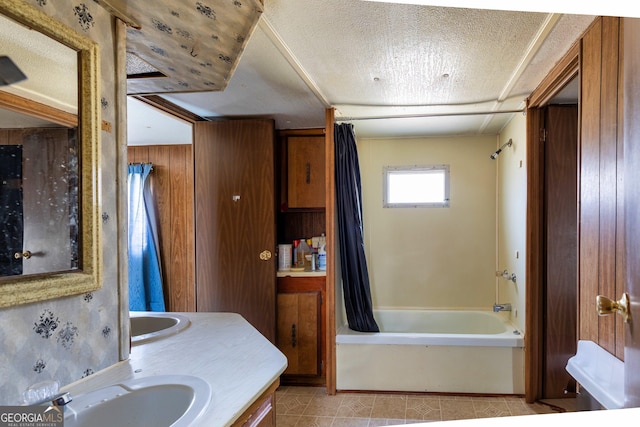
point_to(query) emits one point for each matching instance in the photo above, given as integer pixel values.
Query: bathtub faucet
(501, 307)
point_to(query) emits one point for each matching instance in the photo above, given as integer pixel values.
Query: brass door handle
(25, 255)
(265, 255)
(607, 306)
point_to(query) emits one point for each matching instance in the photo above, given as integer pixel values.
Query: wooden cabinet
(302, 169)
(306, 172)
(300, 328)
(262, 412)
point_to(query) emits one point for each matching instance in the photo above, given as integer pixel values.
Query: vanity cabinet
(300, 328)
(262, 412)
(303, 170)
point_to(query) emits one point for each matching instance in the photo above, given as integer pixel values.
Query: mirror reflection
(39, 154)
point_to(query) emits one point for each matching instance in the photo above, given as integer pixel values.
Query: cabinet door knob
(265, 255)
(307, 173)
(606, 306)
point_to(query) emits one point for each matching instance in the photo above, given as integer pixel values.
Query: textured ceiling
(391, 69)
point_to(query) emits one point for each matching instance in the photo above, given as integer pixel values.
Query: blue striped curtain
(145, 272)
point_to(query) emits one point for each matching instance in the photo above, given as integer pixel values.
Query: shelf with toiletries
(301, 312)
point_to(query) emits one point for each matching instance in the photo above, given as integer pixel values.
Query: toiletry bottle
(304, 250)
(322, 254)
(294, 261)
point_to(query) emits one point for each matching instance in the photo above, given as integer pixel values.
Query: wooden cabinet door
(298, 326)
(235, 220)
(306, 172)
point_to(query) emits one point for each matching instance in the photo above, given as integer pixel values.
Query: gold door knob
(265, 255)
(25, 255)
(607, 306)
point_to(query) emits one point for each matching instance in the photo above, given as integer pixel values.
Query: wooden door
(632, 206)
(561, 243)
(235, 220)
(50, 201)
(298, 326)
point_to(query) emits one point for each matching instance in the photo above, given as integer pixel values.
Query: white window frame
(415, 169)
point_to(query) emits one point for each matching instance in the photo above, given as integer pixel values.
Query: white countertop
(304, 273)
(221, 348)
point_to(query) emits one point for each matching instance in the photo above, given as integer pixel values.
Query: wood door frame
(330, 284)
(566, 69)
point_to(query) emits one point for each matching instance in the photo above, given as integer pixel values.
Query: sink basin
(149, 326)
(162, 400)
(600, 373)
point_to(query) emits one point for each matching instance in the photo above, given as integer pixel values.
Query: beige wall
(432, 257)
(511, 225)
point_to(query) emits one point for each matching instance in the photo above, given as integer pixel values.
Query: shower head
(499, 150)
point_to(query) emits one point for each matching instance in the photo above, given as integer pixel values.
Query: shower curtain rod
(417, 116)
(141, 163)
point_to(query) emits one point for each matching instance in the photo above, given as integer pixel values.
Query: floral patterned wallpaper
(196, 44)
(73, 337)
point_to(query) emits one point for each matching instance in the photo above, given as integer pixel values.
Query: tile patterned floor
(311, 407)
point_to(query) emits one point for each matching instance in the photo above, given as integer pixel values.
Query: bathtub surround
(432, 257)
(70, 338)
(511, 207)
(442, 351)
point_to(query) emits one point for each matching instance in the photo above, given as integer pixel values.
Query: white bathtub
(445, 351)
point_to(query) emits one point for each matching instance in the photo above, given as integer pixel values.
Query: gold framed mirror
(83, 272)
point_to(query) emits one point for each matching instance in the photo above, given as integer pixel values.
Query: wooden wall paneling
(138, 154)
(590, 181)
(11, 136)
(180, 256)
(172, 185)
(608, 177)
(295, 225)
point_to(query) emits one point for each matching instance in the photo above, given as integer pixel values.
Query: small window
(416, 186)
